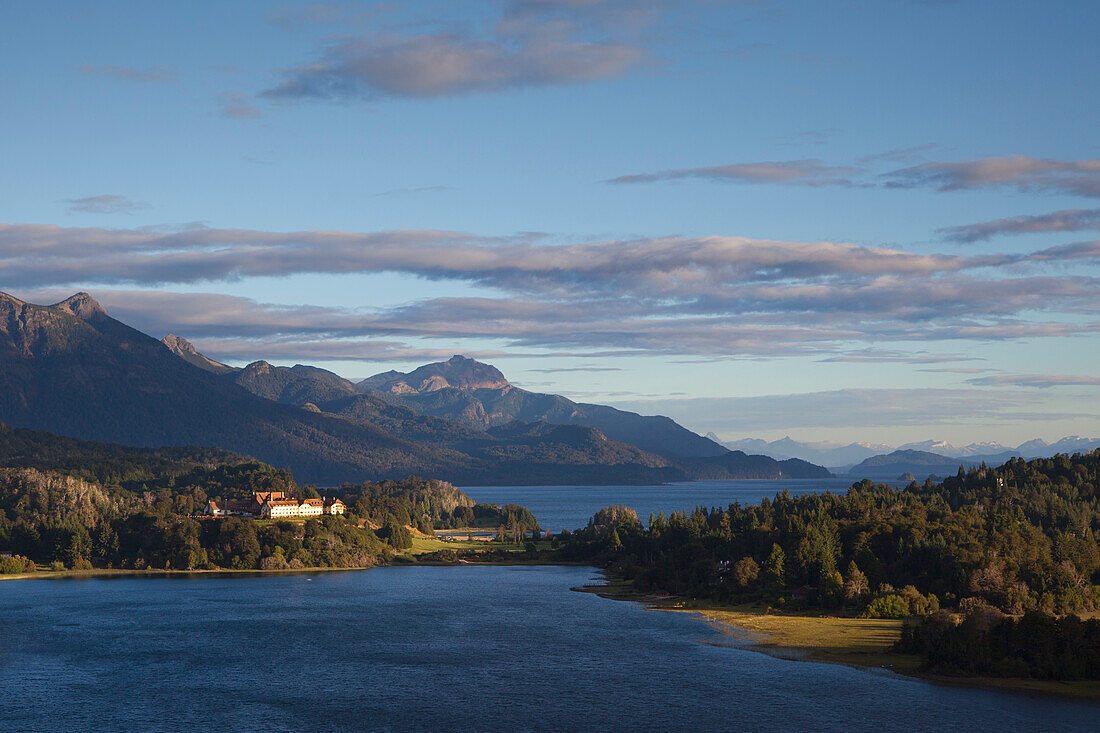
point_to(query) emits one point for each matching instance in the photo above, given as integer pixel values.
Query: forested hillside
(1019, 537)
(75, 504)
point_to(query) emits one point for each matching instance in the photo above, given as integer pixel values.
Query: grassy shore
(46, 574)
(422, 544)
(823, 638)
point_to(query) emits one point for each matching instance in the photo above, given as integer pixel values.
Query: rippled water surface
(430, 648)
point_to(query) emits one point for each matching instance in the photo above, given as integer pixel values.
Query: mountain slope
(294, 385)
(517, 450)
(738, 465)
(919, 463)
(185, 350)
(477, 395)
(73, 370)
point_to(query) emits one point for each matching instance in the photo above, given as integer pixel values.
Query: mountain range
(843, 457)
(71, 369)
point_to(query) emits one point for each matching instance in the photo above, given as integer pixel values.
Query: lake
(570, 507)
(430, 648)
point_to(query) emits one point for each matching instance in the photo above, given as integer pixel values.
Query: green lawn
(423, 544)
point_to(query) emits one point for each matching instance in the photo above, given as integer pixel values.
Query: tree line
(1020, 538)
(72, 504)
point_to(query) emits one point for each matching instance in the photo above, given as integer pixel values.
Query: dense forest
(990, 644)
(74, 504)
(1008, 540)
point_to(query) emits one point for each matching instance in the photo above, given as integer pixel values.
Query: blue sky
(881, 216)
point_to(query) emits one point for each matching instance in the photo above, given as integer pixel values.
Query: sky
(843, 221)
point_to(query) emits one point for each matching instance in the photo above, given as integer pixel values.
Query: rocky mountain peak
(81, 305)
(178, 344)
(259, 367)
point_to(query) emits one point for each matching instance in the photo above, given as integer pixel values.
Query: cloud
(238, 106)
(957, 371)
(878, 356)
(1067, 220)
(1039, 381)
(1027, 174)
(850, 408)
(791, 172)
(1068, 252)
(104, 204)
(158, 74)
(574, 369)
(532, 43)
(448, 64)
(706, 271)
(703, 296)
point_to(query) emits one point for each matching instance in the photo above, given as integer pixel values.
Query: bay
(430, 648)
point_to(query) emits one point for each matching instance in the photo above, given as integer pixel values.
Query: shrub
(16, 564)
(887, 606)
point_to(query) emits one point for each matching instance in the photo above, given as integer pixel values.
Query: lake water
(430, 648)
(570, 507)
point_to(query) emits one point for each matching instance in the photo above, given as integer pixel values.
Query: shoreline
(826, 639)
(410, 563)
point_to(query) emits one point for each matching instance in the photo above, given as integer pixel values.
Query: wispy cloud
(104, 204)
(574, 369)
(706, 296)
(701, 268)
(238, 106)
(1077, 177)
(156, 74)
(1067, 220)
(1023, 173)
(959, 370)
(881, 356)
(790, 172)
(1040, 381)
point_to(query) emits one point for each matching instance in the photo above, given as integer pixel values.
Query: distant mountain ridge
(921, 464)
(475, 395)
(479, 396)
(487, 409)
(845, 456)
(825, 454)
